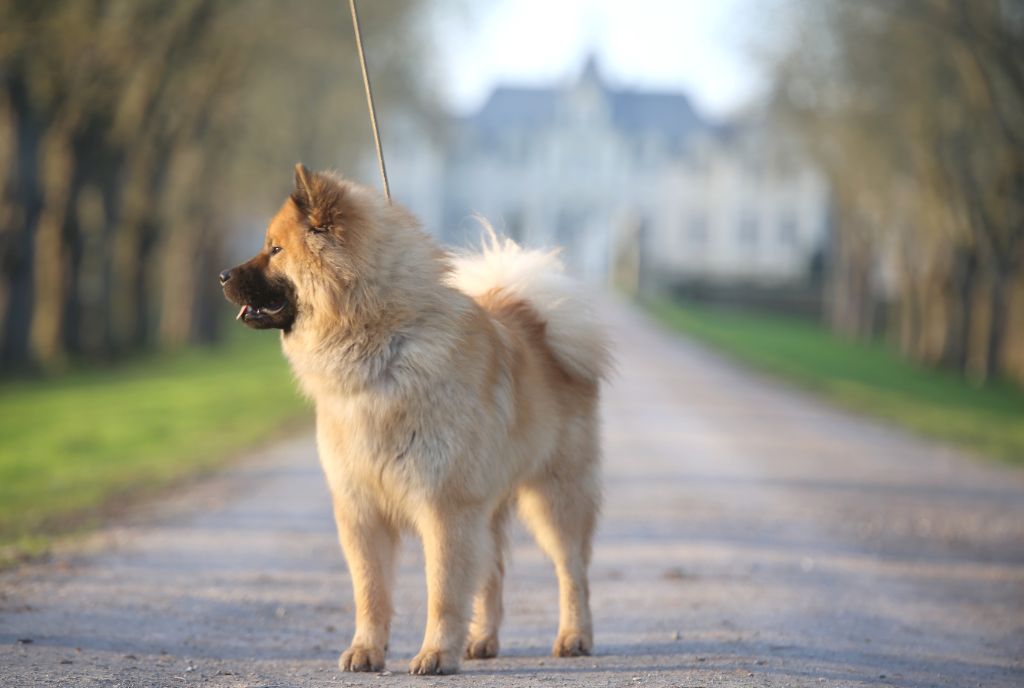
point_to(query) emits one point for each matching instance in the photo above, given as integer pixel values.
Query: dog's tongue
(242, 312)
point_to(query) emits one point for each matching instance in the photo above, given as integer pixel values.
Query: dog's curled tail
(572, 329)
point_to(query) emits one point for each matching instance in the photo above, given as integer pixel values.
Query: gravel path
(752, 537)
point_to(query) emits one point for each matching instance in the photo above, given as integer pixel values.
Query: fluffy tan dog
(448, 391)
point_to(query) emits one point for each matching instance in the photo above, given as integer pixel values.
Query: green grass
(867, 377)
(77, 447)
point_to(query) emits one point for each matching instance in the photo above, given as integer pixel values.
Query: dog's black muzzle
(265, 302)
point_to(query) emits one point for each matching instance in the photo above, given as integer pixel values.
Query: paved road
(752, 537)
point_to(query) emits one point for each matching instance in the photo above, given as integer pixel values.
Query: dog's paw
(484, 647)
(572, 644)
(434, 662)
(361, 658)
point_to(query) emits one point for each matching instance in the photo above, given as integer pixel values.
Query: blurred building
(632, 183)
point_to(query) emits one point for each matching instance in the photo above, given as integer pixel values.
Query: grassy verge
(867, 377)
(75, 447)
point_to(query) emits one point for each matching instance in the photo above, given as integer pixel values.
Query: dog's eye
(274, 250)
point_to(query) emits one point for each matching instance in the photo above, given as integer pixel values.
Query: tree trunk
(851, 303)
(47, 341)
(963, 279)
(91, 225)
(988, 330)
(17, 246)
(209, 306)
(178, 249)
(907, 314)
(1013, 342)
(997, 324)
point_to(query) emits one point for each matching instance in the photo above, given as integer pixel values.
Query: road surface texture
(752, 536)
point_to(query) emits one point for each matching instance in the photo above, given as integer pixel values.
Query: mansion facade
(634, 185)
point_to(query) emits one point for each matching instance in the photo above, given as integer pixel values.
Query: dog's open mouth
(262, 303)
(248, 312)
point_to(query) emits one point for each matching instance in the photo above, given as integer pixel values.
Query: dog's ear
(303, 194)
(322, 199)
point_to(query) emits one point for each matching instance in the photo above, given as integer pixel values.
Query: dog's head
(310, 255)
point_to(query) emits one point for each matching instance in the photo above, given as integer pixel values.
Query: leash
(369, 100)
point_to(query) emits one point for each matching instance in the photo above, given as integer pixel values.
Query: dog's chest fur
(402, 421)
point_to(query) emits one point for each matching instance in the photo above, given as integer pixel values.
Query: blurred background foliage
(136, 134)
(915, 110)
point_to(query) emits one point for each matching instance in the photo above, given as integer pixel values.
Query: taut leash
(369, 100)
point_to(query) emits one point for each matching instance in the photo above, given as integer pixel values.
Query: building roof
(510, 107)
(668, 113)
(635, 113)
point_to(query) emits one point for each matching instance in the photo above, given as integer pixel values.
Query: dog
(450, 390)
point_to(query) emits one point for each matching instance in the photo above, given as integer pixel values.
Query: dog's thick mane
(391, 286)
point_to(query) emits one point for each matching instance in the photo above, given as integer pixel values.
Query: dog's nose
(225, 276)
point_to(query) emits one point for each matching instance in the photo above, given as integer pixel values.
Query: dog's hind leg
(487, 606)
(560, 508)
(369, 544)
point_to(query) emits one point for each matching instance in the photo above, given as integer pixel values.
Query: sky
(695, 46)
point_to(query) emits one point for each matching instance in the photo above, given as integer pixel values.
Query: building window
(697, 230)
(748, 230)
(788, 230)
(755, 170)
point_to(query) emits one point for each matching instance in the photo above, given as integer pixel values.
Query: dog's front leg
(369, 544)
(455, 544)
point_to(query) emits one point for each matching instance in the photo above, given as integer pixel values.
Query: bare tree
(137, 133)
(916, 110)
